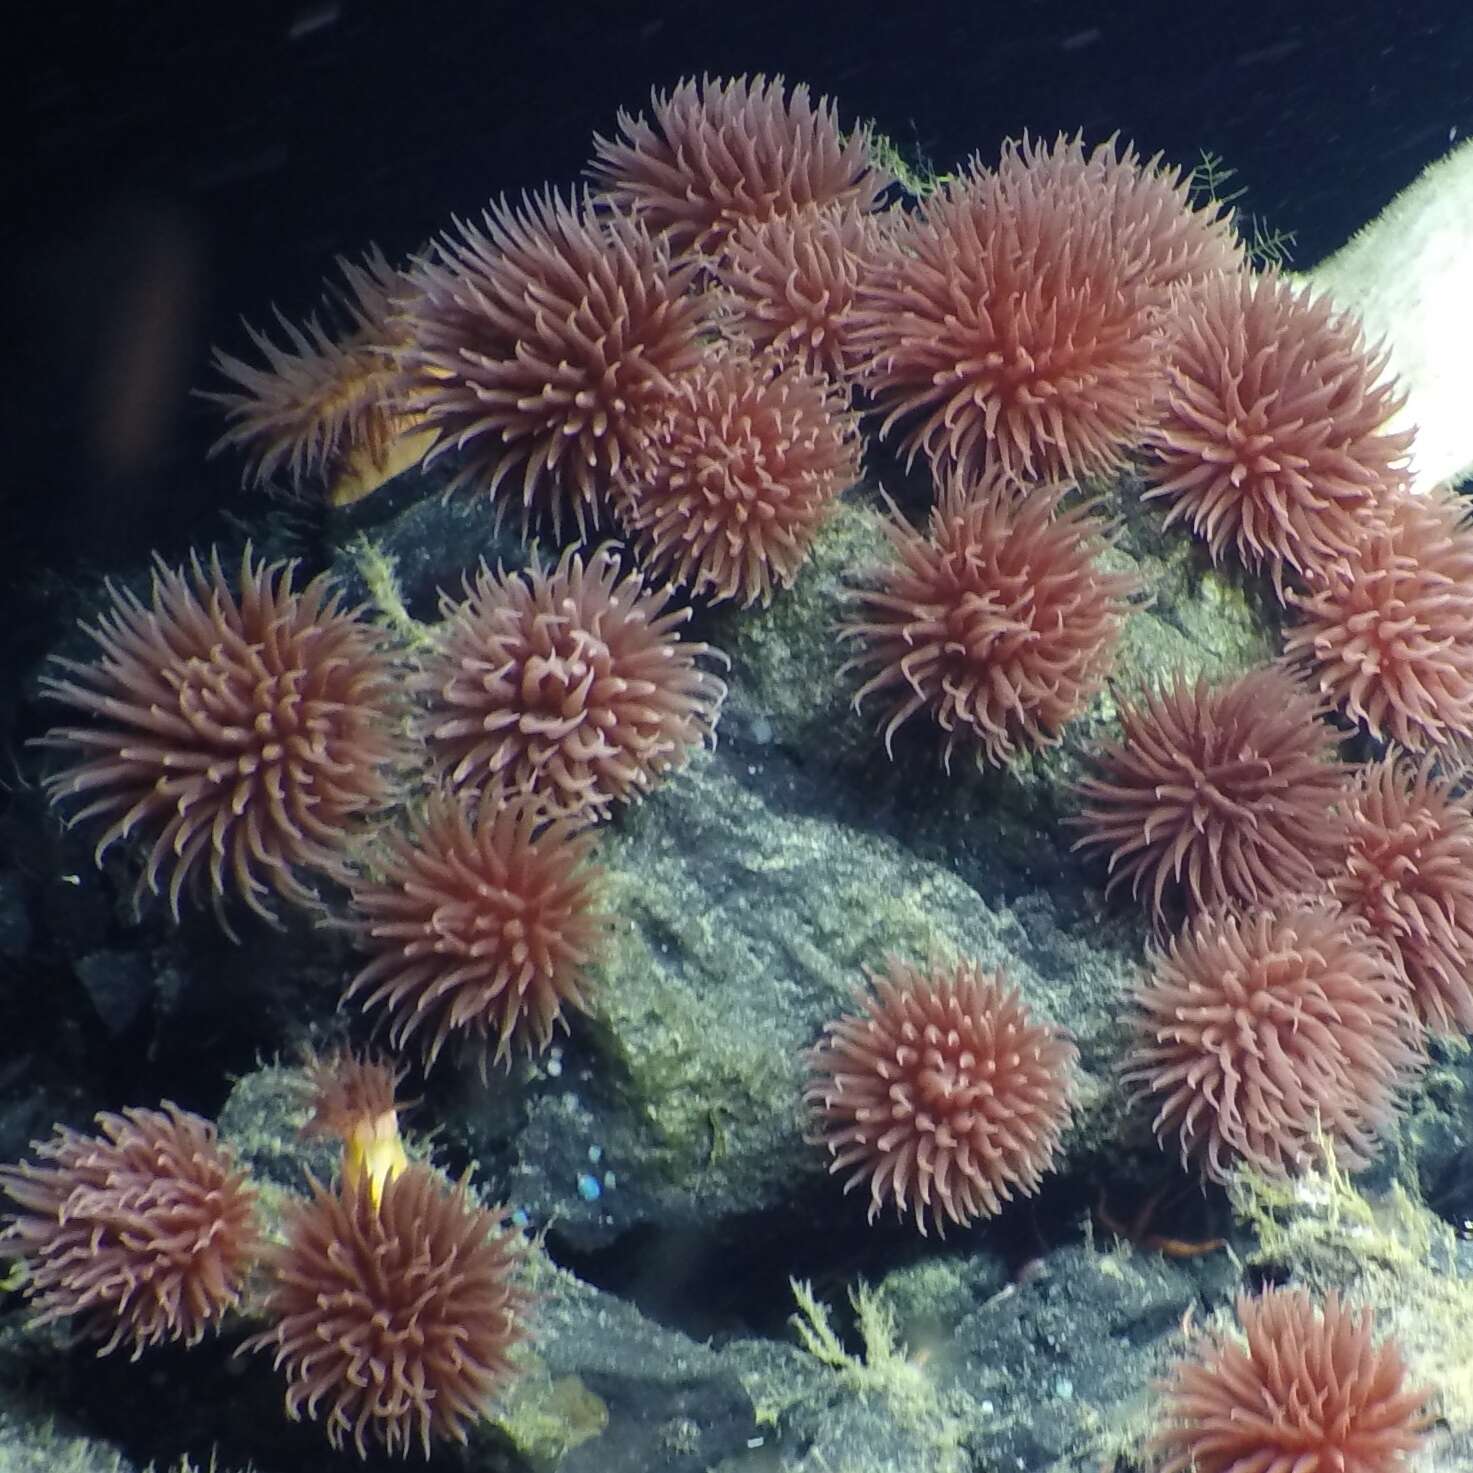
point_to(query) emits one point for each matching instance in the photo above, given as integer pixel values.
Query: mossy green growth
(883, 1369)
(1323, 1227)
(1201, 622)
(787, 658)
(883, 1366)
(380, 574)
(186, 1465)
(912, 171)
(740, 929)
(545, 1418)
(43, 1448)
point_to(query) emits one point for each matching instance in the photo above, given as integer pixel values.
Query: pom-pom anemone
(142, 1233)
(942, 1092)
(572, 687)
(1015, 324)
(544, 342)
(998, 622)
(248, 731)
(1217, 794)
(480, 926)
(744, 465)
(722, 152)
(1305, 1390)
(1387, 631)
(1270, 1036)
(790, 284)
(1408, 873)
(396, 1316)
(324, 409)
(1271, 436)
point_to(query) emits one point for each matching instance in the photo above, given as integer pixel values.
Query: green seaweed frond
(884, 1365)
(1207, 183)
(1321, 1217)
(913, 172)
(380, 573)
(885, 1368)
(1267, 247)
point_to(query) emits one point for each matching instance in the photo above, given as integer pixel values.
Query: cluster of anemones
(671, 353)
(1322, 913)
(393, 1295)
(1324, 922)
(943, 1095)
(1038, 319)
(257, 735)
(1272, 444)
(256, 732)
(676, 354)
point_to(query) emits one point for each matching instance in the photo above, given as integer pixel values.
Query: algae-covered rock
(741, 928)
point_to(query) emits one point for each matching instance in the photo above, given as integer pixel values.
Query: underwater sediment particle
(941, 1091)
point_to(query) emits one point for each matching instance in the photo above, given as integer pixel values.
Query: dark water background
(181, 166)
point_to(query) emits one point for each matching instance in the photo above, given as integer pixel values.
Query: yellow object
(367, 466)
(373, 1152)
